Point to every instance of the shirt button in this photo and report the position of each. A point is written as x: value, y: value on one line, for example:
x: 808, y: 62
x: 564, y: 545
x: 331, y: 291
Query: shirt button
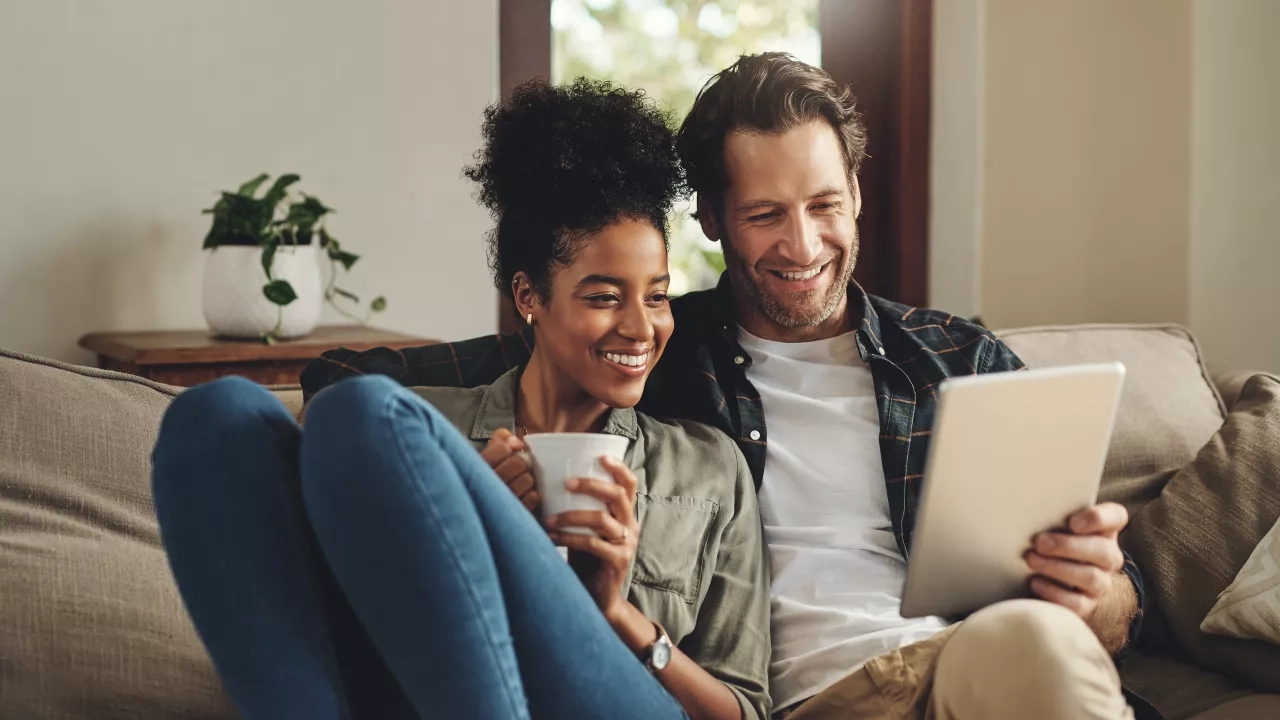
x: 739, y: 360
x: 880, y: 350
x: 755, y: 434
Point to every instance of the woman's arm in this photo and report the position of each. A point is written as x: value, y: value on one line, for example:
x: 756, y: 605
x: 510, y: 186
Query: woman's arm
x: 703, y: 696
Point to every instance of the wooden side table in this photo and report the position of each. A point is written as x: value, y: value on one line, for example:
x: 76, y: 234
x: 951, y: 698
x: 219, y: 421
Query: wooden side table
x: 190, y: 357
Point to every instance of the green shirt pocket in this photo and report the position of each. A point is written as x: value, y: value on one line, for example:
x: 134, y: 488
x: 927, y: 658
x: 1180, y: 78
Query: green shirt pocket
x: 676, y: 535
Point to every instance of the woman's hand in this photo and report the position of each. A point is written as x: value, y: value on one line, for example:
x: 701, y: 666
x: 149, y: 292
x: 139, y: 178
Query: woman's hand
x: 613, y: 539
x: 506, y: 454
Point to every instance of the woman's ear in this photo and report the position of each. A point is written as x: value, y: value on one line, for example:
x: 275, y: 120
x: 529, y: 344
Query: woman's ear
x: 525, y: 296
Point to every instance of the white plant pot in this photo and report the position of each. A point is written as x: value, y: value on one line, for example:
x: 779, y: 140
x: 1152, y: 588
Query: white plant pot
x: 233, y: 301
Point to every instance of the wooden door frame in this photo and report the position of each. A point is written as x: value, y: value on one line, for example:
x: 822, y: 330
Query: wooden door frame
x: 882, y: 49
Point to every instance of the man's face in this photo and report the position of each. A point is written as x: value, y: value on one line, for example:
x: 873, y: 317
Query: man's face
x: 787, y: 226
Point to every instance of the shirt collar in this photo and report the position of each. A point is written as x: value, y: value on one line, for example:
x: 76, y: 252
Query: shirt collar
x: 869, y: 341
x: 498, y: 410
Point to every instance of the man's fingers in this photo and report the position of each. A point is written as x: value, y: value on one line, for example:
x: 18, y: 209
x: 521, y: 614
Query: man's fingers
x: 1103, y: 519
x: 1096, y: 550
x: 1087, y: 579
x: 1058, y: 595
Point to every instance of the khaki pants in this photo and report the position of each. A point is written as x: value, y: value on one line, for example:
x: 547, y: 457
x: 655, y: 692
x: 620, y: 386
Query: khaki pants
x: 1016, y: 660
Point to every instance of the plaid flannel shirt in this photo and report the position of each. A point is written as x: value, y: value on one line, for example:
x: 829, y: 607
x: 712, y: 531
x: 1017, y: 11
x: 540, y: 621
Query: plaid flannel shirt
x: 702, y: 376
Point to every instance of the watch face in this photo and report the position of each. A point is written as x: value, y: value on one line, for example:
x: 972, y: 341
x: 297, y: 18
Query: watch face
x: 661, y: 653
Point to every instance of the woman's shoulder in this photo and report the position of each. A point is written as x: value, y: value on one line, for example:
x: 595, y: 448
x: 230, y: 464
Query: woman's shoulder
x: 460, y: 405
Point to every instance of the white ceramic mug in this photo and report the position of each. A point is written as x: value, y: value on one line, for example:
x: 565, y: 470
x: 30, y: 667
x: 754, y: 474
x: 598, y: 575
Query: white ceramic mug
x: 559, y: 456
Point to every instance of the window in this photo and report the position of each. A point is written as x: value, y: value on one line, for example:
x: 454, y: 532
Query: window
x: 670, y: 48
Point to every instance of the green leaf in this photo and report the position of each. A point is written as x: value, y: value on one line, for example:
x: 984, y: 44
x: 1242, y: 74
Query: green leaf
x: 268, y: 255
x: 347, y: 259
x: 251, y: 187
x: 267, y: 338
x: 279, y: 292
x: 379, y: 304
x: 347, y: 294
x: 326, y: 238
x: 278, y: 190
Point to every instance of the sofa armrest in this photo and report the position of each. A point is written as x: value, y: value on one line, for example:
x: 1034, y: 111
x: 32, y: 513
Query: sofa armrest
x: 1231, y: 382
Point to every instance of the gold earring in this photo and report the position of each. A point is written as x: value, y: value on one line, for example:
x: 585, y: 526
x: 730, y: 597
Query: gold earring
x: 529, y: 319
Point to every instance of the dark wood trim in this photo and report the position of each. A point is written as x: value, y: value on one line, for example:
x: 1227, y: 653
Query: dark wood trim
x: 524, y: 53
x: 912, y: 183
x: 882, y: 49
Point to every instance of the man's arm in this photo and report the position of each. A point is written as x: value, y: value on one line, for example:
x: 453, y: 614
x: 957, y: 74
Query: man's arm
x: 1082, y: 569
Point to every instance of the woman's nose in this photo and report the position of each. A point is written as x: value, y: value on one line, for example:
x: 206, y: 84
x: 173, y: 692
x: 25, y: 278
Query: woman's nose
x: 636, y: 323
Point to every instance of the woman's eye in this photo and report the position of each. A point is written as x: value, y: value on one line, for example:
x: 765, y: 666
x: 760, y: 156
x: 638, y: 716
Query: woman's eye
x: 604, y: 299
x: 658, y: 299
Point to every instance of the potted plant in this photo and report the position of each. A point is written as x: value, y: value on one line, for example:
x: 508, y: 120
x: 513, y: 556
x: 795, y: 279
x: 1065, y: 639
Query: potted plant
x: 262, y: 273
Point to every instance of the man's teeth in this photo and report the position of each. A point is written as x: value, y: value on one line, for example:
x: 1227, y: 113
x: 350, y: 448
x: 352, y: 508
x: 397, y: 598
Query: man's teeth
x: 628, y: 360
x: 802, y: 275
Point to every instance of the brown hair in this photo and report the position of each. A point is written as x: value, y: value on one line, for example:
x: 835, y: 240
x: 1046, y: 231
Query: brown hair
x: 768, y: 93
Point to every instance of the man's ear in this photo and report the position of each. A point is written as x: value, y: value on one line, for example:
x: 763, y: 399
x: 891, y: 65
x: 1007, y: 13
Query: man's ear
x: 707, y: 219
x: 857, y: 197
x: 525, y: 295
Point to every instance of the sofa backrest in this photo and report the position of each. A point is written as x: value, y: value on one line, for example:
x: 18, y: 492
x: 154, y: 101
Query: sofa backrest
x: 1169, y: 408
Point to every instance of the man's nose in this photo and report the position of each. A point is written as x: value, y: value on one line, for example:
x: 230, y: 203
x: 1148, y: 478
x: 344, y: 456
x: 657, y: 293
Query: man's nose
x: 803, y: 244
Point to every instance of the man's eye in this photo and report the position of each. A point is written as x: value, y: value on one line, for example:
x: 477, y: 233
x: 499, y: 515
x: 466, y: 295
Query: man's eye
x: 824, y: 206
x: 762, y: 216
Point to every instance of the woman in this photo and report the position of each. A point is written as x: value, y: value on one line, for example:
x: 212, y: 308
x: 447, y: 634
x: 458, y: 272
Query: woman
x: 375, y: 564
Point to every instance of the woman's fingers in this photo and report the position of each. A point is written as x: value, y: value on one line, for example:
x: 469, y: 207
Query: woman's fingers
x: 618, y: 556
x: 597, y: 521
x: 615, y: 497
x: 621, y: 475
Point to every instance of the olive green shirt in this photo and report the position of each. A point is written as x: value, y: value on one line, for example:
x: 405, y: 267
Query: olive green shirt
x: 700, y: 569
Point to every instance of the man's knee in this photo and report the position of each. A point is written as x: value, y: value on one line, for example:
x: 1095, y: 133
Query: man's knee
x: 1027, y: 656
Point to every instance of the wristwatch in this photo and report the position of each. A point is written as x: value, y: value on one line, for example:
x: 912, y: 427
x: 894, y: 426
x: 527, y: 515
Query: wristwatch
x: 658, y: 654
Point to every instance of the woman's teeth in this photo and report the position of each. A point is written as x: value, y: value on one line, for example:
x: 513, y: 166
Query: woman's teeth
x: 628, y: 360
x: 802, y: 275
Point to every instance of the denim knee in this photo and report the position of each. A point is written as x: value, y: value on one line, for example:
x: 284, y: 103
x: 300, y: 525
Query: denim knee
x: 356, y: 401
x: 217, y: 409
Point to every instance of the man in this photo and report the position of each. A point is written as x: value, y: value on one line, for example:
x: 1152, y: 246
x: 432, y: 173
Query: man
x: 848, y: 384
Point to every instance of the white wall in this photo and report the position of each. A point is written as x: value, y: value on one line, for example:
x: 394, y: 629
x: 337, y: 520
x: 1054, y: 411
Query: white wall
x: 1235, y: 182
x: 121, y: 120
x: 956, y: 174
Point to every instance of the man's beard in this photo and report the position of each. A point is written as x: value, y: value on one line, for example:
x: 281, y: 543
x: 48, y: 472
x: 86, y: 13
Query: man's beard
x: 801, y: 310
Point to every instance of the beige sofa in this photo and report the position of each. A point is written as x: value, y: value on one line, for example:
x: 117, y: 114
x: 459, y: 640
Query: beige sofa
x: 91, y: 625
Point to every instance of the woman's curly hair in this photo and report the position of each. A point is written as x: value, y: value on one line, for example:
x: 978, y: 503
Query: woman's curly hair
x: 561, y: 162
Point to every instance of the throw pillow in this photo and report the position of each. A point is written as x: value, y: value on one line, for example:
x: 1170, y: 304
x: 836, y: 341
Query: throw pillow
x: 1198, y: 533
x: 1250, y: 607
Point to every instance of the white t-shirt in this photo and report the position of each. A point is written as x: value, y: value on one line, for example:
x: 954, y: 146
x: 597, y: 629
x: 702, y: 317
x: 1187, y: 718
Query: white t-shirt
x: 837, y: 572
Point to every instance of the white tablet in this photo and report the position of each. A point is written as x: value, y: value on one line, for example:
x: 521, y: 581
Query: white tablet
x: 1012, y: 455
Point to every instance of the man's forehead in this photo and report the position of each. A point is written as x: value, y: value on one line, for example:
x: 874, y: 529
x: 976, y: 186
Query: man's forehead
x: 805, y: 157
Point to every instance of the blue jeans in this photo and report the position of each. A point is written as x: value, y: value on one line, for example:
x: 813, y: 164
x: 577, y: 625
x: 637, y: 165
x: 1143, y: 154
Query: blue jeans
x: 373, y: 566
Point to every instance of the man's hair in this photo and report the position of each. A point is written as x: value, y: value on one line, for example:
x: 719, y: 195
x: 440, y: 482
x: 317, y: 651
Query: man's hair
x: 560, y: 162
x: 768, y: 93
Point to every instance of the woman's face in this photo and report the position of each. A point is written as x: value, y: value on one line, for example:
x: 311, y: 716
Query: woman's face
x: 607, y: 319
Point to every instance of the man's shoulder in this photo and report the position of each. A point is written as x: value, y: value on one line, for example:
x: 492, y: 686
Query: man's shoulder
x: 465, y: 363
x: 953, y: 344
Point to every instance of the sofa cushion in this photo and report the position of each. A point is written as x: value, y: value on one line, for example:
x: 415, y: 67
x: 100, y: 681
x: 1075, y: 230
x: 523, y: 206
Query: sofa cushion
x: 1250, y: 606
x: 1192, y: 540
x: 91, y: 624
x: 1169, y: 407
